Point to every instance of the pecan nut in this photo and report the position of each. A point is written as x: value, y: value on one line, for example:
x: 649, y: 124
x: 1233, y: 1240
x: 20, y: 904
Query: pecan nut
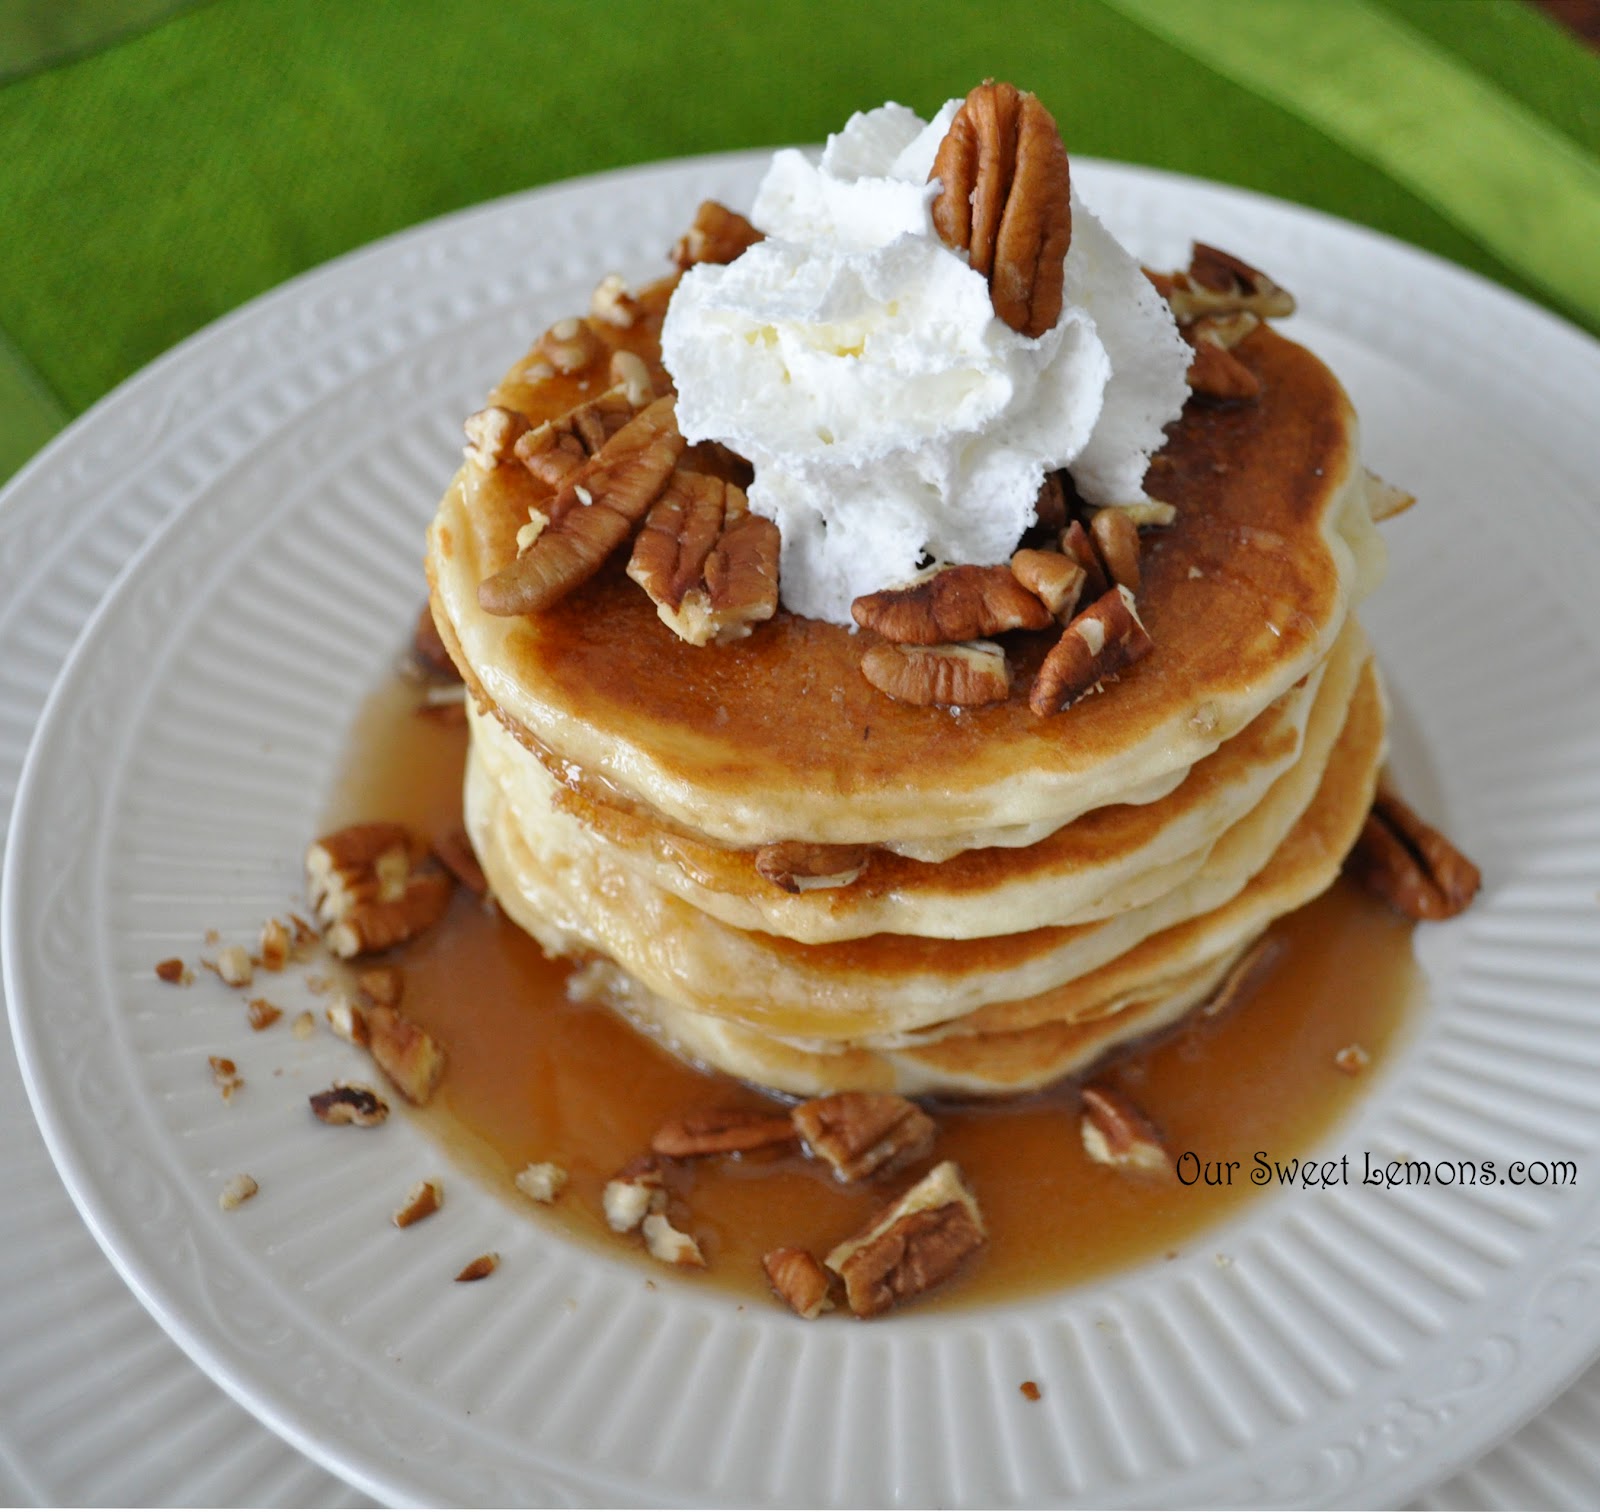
x: 799, y: 1280
x: 349, y: 1103
x: 952, y: 604
x: 911, y: 1246
x: 1116, y: 538
x: 372, y: 886
x: 1099, y: 643
x: 1006, y: 200
x: 722, y: 1131
x: 1384, y: 500
x: 799, y: 866
x: 1218, y: 283
x: 1116, y: 1133
x: 592, y: 513
x: 555, y: 450
x: 962, y: 676
x: 862, y: 1134
x: 1053, y: 577
x: 716, y: 235
x: 492, y: 434
x: 1409, y: 864
x: 406, y: 1053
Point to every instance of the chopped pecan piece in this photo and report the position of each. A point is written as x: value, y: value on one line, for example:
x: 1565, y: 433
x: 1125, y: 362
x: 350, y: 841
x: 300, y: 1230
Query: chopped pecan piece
x: 709, y: 565
x: 1053, y: 577
x: 422, y: 1201
x: 862, y: 1134
x: 1116, y: 1133
x: 636, y: 1191
x: 382, y: 984
x: 239, y: 1189
x: 612, y: 303
x: 952, y: 604
x: 491, y: 435
x: 455, y: 852
x: 669, y: 1245
x: 542, y: 1182
x: 174, y: 971
x: 273, y: 952
x: 1050, y: 508
x: 717, y: 235
x: 912, y: 1245
x: 1030, y: 1389
x: 476, y: 1270
x: 798, y: 866
x: 958, y: 676
x: 1217, y: 283
x: 234, y: 965
x: 1352, y: 1059
x: 1116, y: 538
x: 373, y: 886
x: 1077, y: 543
x: 303, y: 1026
x: 261, y: 1014
x: 797, y: 1277
x: 346, y: 1020
x: 407, y: 1054
x: 1215, y: 372
x: 349, y: 1103
x: 594, y: 511
x: 557, y: 449
x: 1006, y: 200
x: 226, y: 1076
x: 429, y: 650
x: 1384, y: 500
x: 722, y: 1131
x: 631, y: 374
x: 1099, y: 643
x: 1409, y: 864
x: 569, y: 346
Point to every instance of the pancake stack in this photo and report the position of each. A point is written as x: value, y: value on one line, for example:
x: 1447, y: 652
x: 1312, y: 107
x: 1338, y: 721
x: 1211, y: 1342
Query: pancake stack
x: 788, y: 876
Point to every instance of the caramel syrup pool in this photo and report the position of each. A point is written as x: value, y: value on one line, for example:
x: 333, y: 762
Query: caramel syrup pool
x: 535, y: 1077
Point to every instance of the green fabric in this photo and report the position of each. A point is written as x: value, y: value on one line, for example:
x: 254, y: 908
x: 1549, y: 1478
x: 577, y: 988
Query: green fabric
x: 1526, y: 192
x: 154, y: 185
x: 37, y: 34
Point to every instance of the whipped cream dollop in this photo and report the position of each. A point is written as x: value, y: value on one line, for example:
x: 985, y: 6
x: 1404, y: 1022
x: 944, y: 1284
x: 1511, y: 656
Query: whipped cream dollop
x: 892, y: 418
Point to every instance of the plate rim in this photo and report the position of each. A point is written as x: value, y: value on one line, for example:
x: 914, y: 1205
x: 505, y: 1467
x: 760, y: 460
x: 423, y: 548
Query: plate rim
x: 56, y: 1138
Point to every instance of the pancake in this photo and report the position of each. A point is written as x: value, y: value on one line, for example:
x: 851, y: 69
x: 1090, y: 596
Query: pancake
x: 553, y: 879
x: 1112, y: 859
x: 779, y: 736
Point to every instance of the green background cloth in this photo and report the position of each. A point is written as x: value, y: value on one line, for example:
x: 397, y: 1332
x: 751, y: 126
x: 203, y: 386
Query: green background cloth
x: 150, y: 186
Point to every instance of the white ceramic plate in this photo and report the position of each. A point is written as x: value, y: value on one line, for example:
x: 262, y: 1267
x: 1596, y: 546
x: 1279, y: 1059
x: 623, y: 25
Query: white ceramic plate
x: 1358, y: 1346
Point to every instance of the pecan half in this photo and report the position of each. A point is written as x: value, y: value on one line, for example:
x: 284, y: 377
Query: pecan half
x: 952, y: 604
x: 799, y: 1280
x: 799, y: 866
x: 406, y: 1053
x: 1116, y: 1133
x: 348, y: 1103
x: 709, y: 565
x: 912, y: 1245
x: 722, y: 1131
x: 1409, y: 864
x: 862, y: 1134
x: 1077, y: 543
x: 593, y: 512
x: 1099, y: 643
x: 1053, y: 577
x: 958, y: 676
x: 716, y: 235
x: 1006, y: 200
x: 372, y: 886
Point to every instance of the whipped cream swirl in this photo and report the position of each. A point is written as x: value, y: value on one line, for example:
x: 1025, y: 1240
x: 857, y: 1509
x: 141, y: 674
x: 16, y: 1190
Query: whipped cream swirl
x: 891, y: 416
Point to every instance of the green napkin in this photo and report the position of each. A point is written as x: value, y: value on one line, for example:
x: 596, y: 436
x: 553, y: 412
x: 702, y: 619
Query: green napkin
x: 149, y: 187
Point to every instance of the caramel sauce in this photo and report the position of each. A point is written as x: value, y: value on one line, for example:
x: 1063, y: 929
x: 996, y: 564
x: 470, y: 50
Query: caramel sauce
x: 533, y: 1076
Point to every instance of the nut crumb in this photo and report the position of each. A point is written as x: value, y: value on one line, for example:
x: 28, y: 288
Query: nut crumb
x: 422, y: 1200
x: 262, y: 1014
x: 799, y: 1280
x: 669, y: 1245
x: 349, y: 1103
x: 273, y: 953
x: 1352, y: 1060
x: 303, y: 1026
x: 543, y: 1181
x: 635, y: 1192
x: 384, y: 985
x: 174, y: 971
x: 346, y: 1021
x: 1030, y: 1389
x: 476, y: 1270
x: 226, y: 1075
x: 240, y: 1188
x: 233, y: 965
